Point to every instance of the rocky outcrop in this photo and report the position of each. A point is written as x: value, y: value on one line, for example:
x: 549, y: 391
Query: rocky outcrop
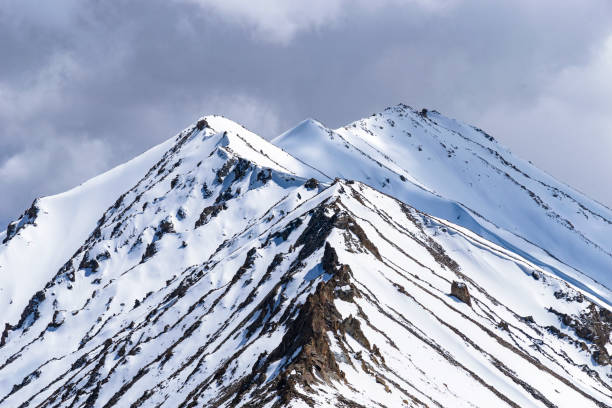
x: 352, y: 327
x: 594, y: 324
x: 311, y: 183
x: 306, y: 335
x: 224, y: 170
x: 28, y: 218
x: 201, y: 124
x: 89, y: 265
x: 460, y: 291
x: 208, y: 213
x: 150, y: 250
x: 165, y: 227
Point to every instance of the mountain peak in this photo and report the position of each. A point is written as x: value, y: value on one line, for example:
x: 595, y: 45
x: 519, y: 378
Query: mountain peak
x: 402, y: 260
x: 306, y: 132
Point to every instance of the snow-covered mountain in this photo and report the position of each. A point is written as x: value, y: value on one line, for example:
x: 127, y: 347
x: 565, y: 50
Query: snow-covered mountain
x: 403, y: 260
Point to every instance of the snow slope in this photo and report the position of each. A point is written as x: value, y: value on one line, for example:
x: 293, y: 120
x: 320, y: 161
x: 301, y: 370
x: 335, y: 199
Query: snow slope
x: 231, y: 273
x: 63, y: 222
x: 459, y: 173
x: 71, y: 216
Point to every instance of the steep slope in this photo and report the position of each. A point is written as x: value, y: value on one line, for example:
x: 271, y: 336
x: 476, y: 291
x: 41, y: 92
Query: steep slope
x: 459, y: 173
x: 71, y: 216
x: 340, y: 299
x: 232, y: 274
x: 37, y: 244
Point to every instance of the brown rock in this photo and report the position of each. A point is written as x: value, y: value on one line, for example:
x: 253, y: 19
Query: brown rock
x: 460, y: 291
x: 202, y: 123
x: 601, y: 357
x: 381, y: 381
x: 352, y: 327
x: 311, y: 183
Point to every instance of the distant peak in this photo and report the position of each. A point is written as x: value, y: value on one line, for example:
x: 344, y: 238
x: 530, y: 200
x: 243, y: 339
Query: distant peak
x: 217, y: 123
x: 309, y: 123
x: 400, y: 105
x: 312, y: 121
x: 306, y: 128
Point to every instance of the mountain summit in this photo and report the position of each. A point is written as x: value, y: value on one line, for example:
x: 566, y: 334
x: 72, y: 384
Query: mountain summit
x: 405, y: 259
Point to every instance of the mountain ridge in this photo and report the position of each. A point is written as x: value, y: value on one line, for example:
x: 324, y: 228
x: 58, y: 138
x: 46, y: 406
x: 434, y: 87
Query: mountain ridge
x: 235, y: 274
x: 384, y: 170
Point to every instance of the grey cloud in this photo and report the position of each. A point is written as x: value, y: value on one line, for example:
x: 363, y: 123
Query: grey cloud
x: 99, y: 82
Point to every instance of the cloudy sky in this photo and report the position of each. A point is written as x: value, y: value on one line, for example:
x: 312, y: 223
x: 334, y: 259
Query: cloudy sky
x: 88, y: 84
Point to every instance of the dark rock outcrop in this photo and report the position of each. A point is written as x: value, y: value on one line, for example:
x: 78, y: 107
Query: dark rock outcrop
x: 165, y: 227
x: 307, y: 334
x: 28, y: 218
x: 208, y: 213
x: 311, y: 183
x: 594, y: 324
x: 264, y: 175
x: 201, y: 124
x: 89, y: 265
x: 149, y: 252
x: 460, y: 291
x: 224, y: 170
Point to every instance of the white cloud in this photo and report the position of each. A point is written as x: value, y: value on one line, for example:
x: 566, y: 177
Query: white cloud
x: 49, y: 167
x: 69, y: 160
x: 247, y: 110
x: 41, y: 91
x: 276, y: 20
x: 57, y: 14
x: 127, y: 75
x: 567, y: 129
x: 280, y: 20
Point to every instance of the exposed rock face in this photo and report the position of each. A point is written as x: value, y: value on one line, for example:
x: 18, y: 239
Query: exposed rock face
x: 224, y: 170
x: 57, y: 321
x: 240, y: 169
x: 593, y: 324
x: 264, y: 175
x: 91, y: 265
x: 28, y: 218
x: 208, y: 213
x: 201, y: 124
x: 352, y: 327
x: 306, y: 345
x: 311, y: 183
x: 460, y: 291
x: 5, y: 333
x: 149, y: 251
x: 165, y: 227
x: 285, y: 232
x: 308, y: 332
x: 31, y: 313
x: 601, y: 356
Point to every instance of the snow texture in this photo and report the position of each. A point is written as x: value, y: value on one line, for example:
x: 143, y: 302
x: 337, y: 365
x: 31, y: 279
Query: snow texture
x: 219, y: 269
